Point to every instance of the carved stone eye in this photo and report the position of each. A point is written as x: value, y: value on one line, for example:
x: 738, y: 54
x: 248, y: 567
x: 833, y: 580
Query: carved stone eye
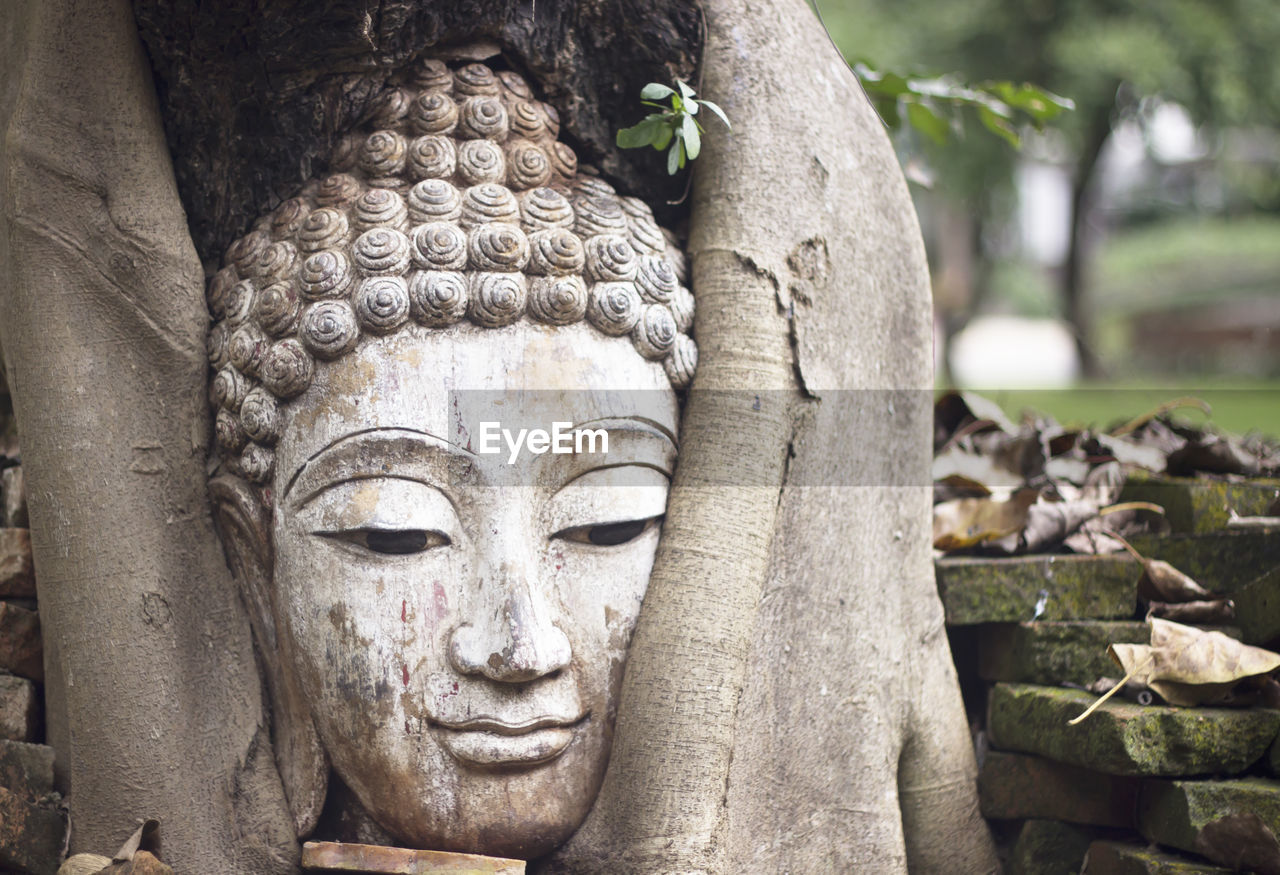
x: 397, y: 542
x: 610, y: 535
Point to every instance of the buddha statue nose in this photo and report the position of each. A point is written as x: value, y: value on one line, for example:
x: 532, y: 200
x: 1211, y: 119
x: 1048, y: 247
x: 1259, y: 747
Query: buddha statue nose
x: 514, y: 638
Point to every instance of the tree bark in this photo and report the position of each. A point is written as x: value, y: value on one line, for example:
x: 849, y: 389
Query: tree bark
x: 154, y: 703
x: 1097, y: 130
x: 789, y: 702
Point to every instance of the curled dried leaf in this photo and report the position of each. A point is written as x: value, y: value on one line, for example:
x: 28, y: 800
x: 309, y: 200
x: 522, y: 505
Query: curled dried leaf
x: 1187, y: 666
x: 1207, y: 612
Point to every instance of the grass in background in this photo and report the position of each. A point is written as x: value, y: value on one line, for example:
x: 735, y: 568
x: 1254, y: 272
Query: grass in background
x: 1239, y: 407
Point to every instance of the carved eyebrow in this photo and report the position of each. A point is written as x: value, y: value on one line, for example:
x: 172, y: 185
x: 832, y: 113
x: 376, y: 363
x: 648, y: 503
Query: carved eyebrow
x: 641, y: 424
x: 335, y: 455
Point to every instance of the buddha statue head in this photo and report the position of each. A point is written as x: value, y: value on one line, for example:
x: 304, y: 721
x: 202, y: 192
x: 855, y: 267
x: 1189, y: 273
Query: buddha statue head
x: 445, y: 384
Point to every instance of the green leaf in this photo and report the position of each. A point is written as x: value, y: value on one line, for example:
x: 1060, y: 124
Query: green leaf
x: 656, y: 91
x: 692, y: 139
x: 685, y: 89
x: 1036, y: 102
x: 643, y: 134
x: 999, y: 126
x: 675, y: 157
x: 926, y: 120
x: 718, y: 111
x: 664, y: 136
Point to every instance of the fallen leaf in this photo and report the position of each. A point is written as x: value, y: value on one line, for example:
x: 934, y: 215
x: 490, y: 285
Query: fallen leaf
x: 1161, y: 410
x: 1215, y: 454
x: 1162, y: 582
x: 1207, y: 612
x: 967, y: 522
x: 1241, y: 841
x: 1185, y: 665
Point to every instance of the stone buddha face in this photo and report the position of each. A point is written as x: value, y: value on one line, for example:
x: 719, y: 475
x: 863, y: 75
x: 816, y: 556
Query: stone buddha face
x: 446, y: 412
x: 458, y: 620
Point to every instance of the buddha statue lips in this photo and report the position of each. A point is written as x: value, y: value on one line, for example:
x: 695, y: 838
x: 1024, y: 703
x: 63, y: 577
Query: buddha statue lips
x: 443, y: 625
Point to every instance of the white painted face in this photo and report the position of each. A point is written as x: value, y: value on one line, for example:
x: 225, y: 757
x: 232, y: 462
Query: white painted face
x: 457, y: 623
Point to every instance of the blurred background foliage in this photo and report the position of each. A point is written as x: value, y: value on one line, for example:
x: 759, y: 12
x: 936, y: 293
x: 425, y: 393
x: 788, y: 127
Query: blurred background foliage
x: 1134, y: 241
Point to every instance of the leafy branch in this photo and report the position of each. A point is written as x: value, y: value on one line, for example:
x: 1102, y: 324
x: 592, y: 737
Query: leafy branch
x: 933, y: 106
x: 674, y: 127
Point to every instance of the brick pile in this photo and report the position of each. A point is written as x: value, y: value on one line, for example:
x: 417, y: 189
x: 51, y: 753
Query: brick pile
x: 1139, y: 787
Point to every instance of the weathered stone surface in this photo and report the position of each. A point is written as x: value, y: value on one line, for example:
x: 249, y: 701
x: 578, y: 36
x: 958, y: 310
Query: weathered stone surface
x: 339, y: 857
x: 1200, y: 506
x: 17, y: 575
x: 1174, y: 812
x: 1047, y: 847
x: 1055, y: 652
x: 1009, y: 590
x: 20, y: 648
x: 1014, y: 786
x: 30, y: 836
x: 13, y: 498
x: 1221, y: 562
x: 1122, y: 858
x: 26, y: 769
x: 1122, y: 738
x: 1258, y: 608
x: 19, y: 708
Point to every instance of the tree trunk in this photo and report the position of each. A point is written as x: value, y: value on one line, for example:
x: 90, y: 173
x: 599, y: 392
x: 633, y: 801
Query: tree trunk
x: 1076, y: 309
x: 789, y: 702
x: 154, y: 705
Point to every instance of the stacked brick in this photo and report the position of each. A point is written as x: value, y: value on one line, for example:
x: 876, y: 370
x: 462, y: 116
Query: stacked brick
x: 31, y: 824
x: 1139, y: 787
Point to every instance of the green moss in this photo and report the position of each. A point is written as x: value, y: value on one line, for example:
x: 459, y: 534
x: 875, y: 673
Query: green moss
x: 1173, y: 812
x: 1201, y: 506
x: 1121, y: 858
x: 1055, y: 652
x: 1258, y: 608
x: 976, y: 590
x: 1122, y: 738
x: 1222, y: 562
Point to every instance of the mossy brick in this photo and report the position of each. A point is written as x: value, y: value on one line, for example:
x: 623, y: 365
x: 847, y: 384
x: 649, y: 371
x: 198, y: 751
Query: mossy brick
x: 1013, y: 786
x: 1258, y: 608
x: 1201, y: 505
x: 1048, y: 847
x: 1222, y: 562
x: 19, y: 708
x: 26, y: 769
x: 1123, y: 858
x: 17, y: 574
x: 1173, y: 812
x: 1009, y: 590
x: 30, y: 836
x: 1066, y: 652
x: 1069, y: 651
x: 1122, y: 738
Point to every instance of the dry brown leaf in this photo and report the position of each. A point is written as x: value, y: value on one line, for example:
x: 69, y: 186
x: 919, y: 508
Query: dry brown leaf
x: 1187, y: 666
x: 1213, y: 611
x: 1161, y: 410
x: 1162, y: 582
x: 967, y: 522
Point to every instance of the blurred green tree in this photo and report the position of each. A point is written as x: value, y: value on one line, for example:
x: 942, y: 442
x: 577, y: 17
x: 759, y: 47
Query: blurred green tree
x: 1216, y: 58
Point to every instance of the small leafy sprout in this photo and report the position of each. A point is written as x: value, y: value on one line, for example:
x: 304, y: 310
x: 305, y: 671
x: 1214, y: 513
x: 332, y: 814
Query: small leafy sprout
x: 674, y: 126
